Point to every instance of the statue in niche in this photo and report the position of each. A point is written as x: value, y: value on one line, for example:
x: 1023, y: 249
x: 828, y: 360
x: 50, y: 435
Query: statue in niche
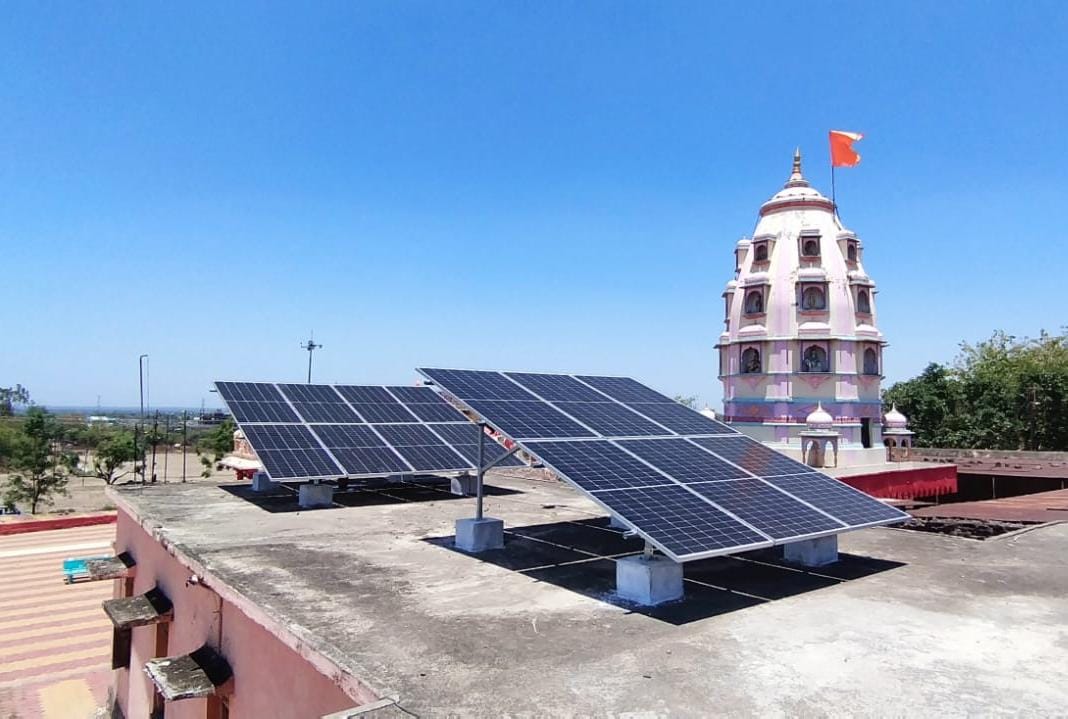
x: 815, y: 360
x: 871, y: 362
x: 760, y: 254
x: 813, y: 299
x: 751, y: 361
x: 754, y: 303
x: 863, y: 302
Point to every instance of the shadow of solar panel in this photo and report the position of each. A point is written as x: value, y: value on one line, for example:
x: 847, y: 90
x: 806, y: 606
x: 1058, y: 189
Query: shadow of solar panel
x: 477, y: 384
x: 682, y: 460
x: 776, y: 514
x: 612, y: 419
x: 553, y: 387
x: 528, y: 419
x: 679, y: 521
x: 849, y: 505
x: 754, y: 456
x: 596, y: 464
x: 680, y: 419
x: 255, y: 402
x: 318, y: 403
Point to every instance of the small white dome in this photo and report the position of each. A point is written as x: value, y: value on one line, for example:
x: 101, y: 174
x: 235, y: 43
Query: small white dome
x: 709, y: 412
x: 895, y: 420
x: 819, y: 418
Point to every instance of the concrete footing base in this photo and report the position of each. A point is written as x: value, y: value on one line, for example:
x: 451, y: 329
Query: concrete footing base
x: 465, y: 485
x: 262, y: 483
x: 648, y: 580
x: 479, y: 535
x: 316, y: 495
x: 616, y: 523
x: 812, y: 552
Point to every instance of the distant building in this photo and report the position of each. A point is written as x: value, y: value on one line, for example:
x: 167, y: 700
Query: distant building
x: 801, y: 354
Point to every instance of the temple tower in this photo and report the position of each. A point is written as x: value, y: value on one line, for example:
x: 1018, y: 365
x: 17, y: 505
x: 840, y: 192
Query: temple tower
x: 801, y: 328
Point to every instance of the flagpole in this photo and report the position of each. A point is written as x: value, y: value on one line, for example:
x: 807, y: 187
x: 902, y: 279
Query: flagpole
x: 834, y: 194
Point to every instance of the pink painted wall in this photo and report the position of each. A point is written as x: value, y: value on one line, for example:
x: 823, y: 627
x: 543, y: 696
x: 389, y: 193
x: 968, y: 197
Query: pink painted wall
x: 270, y: 679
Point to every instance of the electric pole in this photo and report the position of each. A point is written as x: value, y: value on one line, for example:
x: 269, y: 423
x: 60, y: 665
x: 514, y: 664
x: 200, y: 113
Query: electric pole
x: 311, y: 347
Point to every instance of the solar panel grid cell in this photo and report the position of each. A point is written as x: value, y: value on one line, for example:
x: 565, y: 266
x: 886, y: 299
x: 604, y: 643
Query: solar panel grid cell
x: 849, y: 505
x: 370, y: 461
x: 754, y: 456
x: 624, y: 389
x: 256, y: 402
x: 318, y: 403
x: 597, y: 465
x: 612, y: 420
x: 477, y: 384
x: 553, y: 387
x: 682, y: 461
x: 528, y: 419
x: 382, y: 412
x: 769, y: 510
x: 679, y: 418
x: 679, y: 521
x: 351, y: 435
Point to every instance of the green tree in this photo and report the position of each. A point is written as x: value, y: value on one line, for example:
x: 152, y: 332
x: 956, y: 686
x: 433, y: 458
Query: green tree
x: 690, y: 401
x: 111, y: 455
x: 12, y: 396
x: 39, y: 464
x: 216, y: 444
x: 1002, y: 393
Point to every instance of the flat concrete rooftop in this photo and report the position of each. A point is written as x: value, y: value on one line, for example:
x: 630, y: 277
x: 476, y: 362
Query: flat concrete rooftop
x: 907, y: 621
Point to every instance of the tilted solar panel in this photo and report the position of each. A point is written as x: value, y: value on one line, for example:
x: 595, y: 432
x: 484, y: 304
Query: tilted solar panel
x: 317, y: 431
x: 692, y: 486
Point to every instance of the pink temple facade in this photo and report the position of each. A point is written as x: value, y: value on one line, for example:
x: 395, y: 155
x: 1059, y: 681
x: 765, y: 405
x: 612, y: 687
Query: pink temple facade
x: 801, y: 328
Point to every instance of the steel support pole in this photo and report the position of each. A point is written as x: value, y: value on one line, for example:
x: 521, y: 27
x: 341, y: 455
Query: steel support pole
x: 481, y: 469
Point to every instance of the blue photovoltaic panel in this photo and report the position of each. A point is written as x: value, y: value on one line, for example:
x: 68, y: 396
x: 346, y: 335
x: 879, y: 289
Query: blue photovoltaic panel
x: 290, y: 451
x: 360, y: 450
x: 772, y: 512
x: 679, y: 418
x: 596, y: 464
x: 837, y: 499
x: 423, y: 449
x: 476, y: 384
x: 527, y: 419
x: 682, y: 461
x: 255, y: 402
x: 318, y: 403
x: 364, y: 394
x: 554, y: 387
x: 611, y: 419
x: 427, y: 404
x: 754, y: 456
x: 624, y: 389
x: 380, y: 413
x: 464, y: 439
x: 679, y: 521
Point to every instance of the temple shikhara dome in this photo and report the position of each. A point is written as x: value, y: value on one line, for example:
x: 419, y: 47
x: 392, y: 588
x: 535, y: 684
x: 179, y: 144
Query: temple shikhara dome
x: 801, y: 329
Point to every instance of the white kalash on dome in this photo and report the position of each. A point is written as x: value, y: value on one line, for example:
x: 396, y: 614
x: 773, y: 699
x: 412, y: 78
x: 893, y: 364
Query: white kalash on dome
x: 801, y: 328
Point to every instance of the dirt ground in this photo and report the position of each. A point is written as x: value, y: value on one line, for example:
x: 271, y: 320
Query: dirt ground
x: 86, y: 494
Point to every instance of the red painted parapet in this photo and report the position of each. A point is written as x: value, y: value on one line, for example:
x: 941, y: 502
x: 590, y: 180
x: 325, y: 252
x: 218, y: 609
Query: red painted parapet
x: 20, y: 526
x: 912, y: 483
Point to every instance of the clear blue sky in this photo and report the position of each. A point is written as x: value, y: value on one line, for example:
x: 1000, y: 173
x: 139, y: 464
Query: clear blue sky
x: 537, y: 185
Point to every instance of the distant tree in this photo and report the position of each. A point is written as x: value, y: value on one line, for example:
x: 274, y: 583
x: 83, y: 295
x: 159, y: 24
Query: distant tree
x: 215, y: 445
x: 38, y: 461
x: 1002, y: 393
x: 111, y: 455
x: 10, y: 397
x: 690, y: 402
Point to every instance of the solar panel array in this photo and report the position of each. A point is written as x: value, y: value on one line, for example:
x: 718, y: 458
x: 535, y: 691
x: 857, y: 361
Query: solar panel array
x: 690, y: 485
x: 320, y: 431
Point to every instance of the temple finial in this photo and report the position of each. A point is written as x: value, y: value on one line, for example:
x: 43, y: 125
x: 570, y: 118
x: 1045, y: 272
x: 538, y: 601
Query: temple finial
x: 797, y: 161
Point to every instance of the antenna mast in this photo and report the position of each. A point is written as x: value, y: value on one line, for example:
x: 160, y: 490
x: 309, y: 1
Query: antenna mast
x: 311, y: 346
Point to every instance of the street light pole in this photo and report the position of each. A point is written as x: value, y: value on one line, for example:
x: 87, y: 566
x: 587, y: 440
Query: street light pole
x: 311, y: 347
x: 141, y: 377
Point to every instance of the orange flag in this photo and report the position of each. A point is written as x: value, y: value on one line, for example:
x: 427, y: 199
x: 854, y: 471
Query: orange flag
x: 842, y: 152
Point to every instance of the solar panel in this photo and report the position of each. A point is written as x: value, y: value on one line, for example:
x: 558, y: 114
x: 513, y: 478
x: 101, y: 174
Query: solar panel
x: 464, y: 439
x: 290, y: 451
x: 754, y: 456
x: 692, y: 486
x: 318, y: 403
x: 315, y: 431
x: 256, y: 402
